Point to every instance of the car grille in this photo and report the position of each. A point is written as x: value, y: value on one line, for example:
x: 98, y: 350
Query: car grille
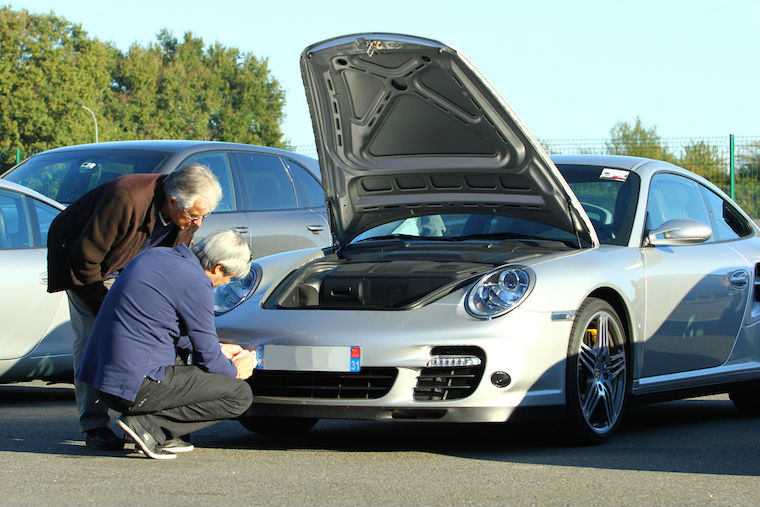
x: 367, y: 384
x: 439, y: 384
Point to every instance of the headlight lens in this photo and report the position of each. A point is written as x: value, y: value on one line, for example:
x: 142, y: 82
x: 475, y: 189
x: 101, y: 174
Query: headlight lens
x: 498, y: 292
x: 227, y: 297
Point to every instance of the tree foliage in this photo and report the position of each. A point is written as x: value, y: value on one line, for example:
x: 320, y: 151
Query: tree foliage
x: 637, y: 140
x: 171, y: 89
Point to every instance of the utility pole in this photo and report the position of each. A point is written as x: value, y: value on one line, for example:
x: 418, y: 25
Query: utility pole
x: 93, y: 118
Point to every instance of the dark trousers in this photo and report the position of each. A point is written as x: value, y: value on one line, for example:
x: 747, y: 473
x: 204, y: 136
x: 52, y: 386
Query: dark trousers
x: 186, y: 400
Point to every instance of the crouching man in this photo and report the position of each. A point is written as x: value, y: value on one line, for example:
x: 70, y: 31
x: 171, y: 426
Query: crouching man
x: 163, y: 299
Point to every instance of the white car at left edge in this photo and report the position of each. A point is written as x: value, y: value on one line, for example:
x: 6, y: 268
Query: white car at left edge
x: 35, y: 336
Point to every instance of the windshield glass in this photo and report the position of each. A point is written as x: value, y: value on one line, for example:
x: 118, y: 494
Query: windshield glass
x: 458, y: 227
x: 608, y: 196
x: 65, y: 176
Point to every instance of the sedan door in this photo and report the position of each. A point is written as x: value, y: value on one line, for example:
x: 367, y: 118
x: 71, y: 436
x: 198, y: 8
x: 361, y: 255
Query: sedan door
x: 277, y: 222
x: 229, y: 213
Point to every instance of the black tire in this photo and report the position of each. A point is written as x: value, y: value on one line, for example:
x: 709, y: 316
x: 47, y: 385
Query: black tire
x: 278, y: 425
x: 597, y: 373
x: 747, y: 401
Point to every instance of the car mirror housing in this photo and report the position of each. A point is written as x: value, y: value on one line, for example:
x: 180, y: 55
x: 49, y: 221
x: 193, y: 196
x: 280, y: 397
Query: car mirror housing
x: 679, y: 232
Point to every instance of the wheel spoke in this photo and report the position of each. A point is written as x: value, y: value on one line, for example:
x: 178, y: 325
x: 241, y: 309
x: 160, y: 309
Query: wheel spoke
x: 587, y: 358
x: 607, y: 400
x: 591, y: 401
x: 616, y: 365
x: 603, y: 342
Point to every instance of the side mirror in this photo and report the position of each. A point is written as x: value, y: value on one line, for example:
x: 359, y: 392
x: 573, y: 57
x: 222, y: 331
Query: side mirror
x: 679, y: 232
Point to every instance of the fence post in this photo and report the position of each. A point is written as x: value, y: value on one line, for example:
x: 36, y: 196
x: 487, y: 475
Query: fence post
x: 731, y: 164
x: 18, y: 155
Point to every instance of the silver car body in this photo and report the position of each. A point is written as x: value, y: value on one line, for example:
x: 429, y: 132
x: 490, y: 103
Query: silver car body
x: 686, y: 298
x: 262, y: 193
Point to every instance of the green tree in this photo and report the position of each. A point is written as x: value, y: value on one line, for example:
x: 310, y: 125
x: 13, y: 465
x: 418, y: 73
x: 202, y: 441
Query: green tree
x: 705, y: 160
x: 637, y: 140
x: 171, y: 89
x: 178, y: 89
x: 47, y: 65
x: 748, y: 161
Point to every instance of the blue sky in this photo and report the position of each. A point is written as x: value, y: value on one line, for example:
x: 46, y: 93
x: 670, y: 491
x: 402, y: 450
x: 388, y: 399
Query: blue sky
x: 570, y: 69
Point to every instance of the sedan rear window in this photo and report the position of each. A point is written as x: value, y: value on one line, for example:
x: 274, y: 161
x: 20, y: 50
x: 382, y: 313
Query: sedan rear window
x: 65, y: 176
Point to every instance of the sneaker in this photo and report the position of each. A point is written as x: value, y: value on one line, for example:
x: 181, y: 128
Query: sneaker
x: 143, y: 438
x: 104, y: 439
x: 177, y: 444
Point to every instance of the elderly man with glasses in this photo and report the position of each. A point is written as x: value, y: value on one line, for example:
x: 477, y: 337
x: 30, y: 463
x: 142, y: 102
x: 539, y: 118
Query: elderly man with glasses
x: 163, y: 299
x: 92, y: 240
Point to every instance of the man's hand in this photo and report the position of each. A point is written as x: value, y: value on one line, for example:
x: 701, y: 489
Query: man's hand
x: 230, y: 349
x: 244, y: 362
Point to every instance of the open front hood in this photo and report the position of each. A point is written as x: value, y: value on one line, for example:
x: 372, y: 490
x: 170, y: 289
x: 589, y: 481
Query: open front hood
x: 406, y: 126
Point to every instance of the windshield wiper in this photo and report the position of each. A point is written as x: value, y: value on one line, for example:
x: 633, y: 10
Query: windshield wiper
x: 497, y: 236
x: 402, y: 237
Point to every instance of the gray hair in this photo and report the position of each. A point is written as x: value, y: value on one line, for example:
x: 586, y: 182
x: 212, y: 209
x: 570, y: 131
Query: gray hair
x: 225, y: 247
x: 191, y: 183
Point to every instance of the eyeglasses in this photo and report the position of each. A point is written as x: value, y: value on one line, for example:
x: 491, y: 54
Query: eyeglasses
x: 193, y: 219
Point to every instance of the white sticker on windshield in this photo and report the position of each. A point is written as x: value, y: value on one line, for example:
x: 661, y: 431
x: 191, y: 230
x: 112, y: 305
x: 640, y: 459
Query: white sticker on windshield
x: 614, y: 174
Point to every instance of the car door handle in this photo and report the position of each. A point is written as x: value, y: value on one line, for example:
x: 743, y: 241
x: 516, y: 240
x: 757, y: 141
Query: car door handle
x: 316, y: 228
x: 241, y: 229
x: 44, y: 278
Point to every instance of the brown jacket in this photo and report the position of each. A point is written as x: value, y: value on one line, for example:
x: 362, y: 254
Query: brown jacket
x: 102, y: 231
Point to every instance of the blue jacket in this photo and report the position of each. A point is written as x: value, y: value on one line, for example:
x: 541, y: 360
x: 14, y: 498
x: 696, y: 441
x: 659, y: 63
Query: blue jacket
x: 161, y: 295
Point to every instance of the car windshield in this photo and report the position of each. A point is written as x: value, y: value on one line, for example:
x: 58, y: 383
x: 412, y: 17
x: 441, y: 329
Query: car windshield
x: 609, y: 197
x: 459, y: 227
x: 67, y: 175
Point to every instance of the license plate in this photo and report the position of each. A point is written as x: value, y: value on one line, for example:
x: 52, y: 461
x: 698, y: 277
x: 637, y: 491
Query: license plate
x: 308, y: 358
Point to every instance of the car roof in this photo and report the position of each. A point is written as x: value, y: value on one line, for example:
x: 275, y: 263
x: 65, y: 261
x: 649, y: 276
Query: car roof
x: 183, y: 147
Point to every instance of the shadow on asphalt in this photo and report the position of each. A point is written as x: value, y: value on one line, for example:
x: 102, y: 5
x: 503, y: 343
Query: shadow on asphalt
x: 701, y: 435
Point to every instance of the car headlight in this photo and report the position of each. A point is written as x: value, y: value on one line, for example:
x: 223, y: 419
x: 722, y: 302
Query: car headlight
x: 498, y: 292
x: 227, y: 297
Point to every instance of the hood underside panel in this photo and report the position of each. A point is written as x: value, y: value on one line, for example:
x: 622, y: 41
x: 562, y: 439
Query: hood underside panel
x: 407, y: 126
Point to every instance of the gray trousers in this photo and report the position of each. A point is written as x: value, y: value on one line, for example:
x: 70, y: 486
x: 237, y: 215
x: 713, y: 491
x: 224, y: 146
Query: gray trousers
x: 92, y: 412
x: 187, y: 399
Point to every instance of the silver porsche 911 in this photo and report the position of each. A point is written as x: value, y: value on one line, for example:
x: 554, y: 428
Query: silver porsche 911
x: 473, y: 278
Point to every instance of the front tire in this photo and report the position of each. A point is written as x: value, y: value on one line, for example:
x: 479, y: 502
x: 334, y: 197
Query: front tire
x: 278, y: 425
x: 596, y: 374
x: 747, y: 401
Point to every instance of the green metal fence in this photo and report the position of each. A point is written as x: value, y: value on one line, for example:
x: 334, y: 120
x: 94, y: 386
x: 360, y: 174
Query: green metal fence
x: 731, y: 162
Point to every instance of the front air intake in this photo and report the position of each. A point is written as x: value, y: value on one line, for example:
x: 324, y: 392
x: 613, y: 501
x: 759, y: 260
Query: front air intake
x: 367, y: 384
x: 450, y: 383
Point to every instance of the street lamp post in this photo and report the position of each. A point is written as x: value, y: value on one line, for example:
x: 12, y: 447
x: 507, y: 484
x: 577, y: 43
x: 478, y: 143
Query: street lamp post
x: 93, y: 118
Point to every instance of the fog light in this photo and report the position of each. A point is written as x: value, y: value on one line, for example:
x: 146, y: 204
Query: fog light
x: 452, y: 361
x: 500, y: 379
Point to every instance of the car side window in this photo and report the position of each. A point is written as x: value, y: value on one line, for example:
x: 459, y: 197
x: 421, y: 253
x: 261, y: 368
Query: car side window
x: 14, y: 221
x: 308, y: 189
x: 220, y: 166
x: 675, y: 197
x: 264, y: 183
x: 44, y: 215
x: 728, y: 223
